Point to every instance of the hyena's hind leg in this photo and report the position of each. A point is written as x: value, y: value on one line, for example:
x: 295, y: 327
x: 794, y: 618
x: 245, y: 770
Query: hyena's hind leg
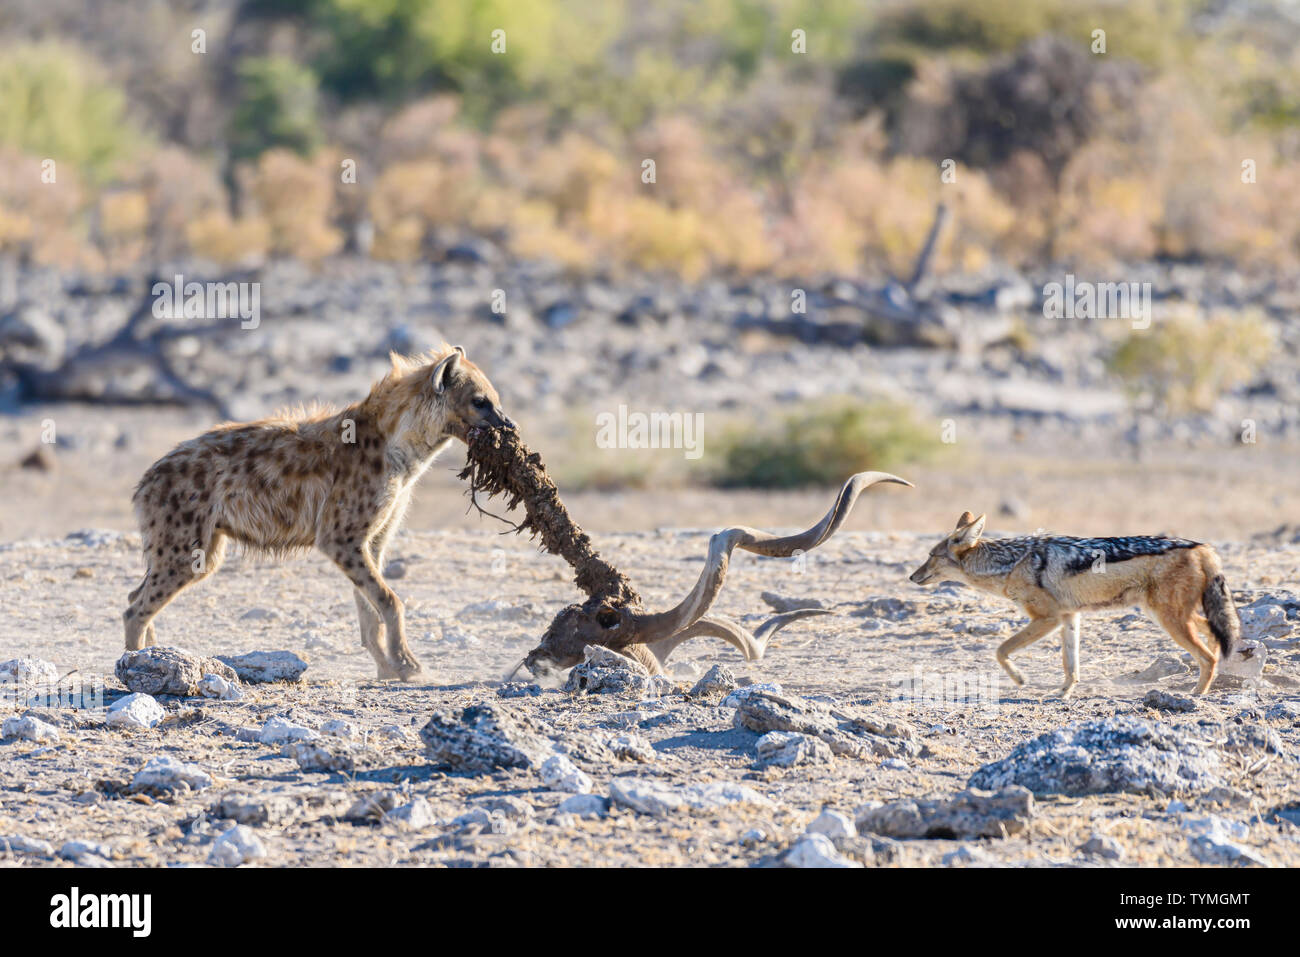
x: 172, y: 566
x: 1036, y: 629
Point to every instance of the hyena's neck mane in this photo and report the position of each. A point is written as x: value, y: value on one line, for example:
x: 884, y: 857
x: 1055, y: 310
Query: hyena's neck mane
x: 405, y: 415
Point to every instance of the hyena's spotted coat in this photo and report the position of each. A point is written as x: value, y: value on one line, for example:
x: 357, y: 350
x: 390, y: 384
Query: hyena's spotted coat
x: 339, y: 481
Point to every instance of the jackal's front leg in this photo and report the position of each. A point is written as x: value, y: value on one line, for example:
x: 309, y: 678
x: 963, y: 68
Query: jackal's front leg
x: 1070, y: 654
x: 1036, y: 629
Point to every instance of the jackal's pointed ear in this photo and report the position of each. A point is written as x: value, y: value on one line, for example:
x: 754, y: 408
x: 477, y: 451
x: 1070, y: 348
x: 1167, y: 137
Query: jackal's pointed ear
x: 445, y: 370
x: 971, y: 533
x: 966, y: 519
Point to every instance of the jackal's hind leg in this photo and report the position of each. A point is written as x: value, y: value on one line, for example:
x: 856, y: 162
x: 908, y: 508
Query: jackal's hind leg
x: 1036, y: 629
x: 1183, y: 631
x: 1070, y: 653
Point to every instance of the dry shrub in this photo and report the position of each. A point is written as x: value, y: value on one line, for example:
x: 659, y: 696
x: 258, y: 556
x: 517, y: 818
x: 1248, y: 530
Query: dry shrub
x: 1185, y: 364
x: 535, y: 234
x: 697, y: 217
x: 179, y: 186
x: 818, y: 443
x: 1177, y: 191
x: 863, y: 210
x: 412, y: 198
x: 215, y: 236
x: 1106, y: 215
x: 44, y: 222
x: 123, y: 226
x: 296, y: 197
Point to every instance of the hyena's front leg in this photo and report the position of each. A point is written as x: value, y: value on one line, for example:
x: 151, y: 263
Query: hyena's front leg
x: 373, y: 632
x: 372, y: 635
x: 356, y: 562
x: 407, y: 665
x: 1036, y: 629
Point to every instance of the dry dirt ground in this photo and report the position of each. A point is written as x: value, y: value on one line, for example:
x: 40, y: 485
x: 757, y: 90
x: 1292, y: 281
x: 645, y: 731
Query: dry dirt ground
x: 477, y: 601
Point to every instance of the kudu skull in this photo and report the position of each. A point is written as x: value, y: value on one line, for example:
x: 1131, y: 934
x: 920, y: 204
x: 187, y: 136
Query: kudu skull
x: 651, y: 637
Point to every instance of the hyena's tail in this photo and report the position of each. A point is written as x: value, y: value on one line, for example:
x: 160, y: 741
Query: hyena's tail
x: 1221, y: 611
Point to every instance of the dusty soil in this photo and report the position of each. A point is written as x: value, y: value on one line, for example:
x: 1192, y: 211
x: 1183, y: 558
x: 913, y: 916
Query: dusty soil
x: 62, y: 599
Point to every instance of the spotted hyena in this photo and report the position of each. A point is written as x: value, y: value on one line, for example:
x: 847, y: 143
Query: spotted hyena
x: 338, y: 480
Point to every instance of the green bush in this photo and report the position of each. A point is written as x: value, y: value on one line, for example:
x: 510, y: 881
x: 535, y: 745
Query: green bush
x: 278, y: 107
x: 1185, y: 365
x: 395, y: 49
x: 823, y: 443
x: 54, y: 105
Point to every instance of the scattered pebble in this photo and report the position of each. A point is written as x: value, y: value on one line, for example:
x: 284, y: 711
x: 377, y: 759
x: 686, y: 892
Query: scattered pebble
x: 237, y: 846
x: 165, y: 774
x: 833, y: 824
x: 1104, y: 846
x: 264, y: 667
x: 584, y: 806
x: 29, y: 728
x: 215, y: 686
x: 659, y: 798
x: 282, y: 731
x: 164, y: 670
x: 135, y: 712
x: 816, y: 850
x: 560, y: 774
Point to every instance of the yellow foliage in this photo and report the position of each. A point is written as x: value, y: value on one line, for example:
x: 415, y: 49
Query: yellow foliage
x: 123, y: 216
x: 296, y: 196
x: 215, y: 236
x: 1185, y: 364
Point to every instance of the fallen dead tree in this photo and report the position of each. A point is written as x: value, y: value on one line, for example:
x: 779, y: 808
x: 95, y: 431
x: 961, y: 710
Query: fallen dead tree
x: 614, y: 615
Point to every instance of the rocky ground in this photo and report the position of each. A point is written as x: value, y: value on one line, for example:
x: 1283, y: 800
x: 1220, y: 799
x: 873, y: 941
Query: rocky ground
x: 855, y: 741
x: 976, y: 349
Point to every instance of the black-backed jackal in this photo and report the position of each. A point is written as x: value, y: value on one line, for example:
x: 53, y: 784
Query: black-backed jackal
x: 336, y: 480
x: 1053, y: 579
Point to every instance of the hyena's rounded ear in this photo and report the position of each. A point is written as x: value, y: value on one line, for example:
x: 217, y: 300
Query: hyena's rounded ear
x: 445, y: 370
x: 966, y: 519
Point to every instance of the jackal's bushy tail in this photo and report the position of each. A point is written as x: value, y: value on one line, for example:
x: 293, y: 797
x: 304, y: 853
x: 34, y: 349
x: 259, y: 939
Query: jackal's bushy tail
x: 1222, y: 614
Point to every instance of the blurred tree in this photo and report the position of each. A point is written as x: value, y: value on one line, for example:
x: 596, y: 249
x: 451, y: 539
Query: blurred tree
x: 54, y: 104
x: 278, y: 107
